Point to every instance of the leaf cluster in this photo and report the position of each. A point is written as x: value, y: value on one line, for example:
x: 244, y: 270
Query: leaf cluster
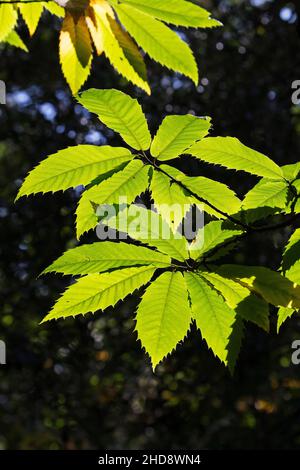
x: 183, y: 281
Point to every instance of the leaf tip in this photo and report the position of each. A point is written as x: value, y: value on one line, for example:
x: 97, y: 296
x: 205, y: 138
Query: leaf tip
x: 45, y: 319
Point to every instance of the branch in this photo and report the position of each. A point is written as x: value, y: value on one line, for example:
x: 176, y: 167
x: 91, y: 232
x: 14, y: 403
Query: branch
x: 248, y: 228
x: 285, y: 223
x: 264, y: 228
x: 199, y: 198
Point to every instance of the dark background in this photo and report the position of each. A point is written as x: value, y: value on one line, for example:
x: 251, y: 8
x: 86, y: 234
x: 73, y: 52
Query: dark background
x: 86, y: 383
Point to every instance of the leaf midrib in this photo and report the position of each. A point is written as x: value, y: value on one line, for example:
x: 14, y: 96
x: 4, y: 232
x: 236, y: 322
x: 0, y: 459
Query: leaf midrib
x: 117, y: 188
x: 165, y: 303
x: 75, y: 169
x: 174, y: 138
x: 276, y: 194
x: 116, y: 111
x: 104, y: 260
x: 106, y: 288
x: 212, y: 310
x: 245, y: 158
x: 204, y: 14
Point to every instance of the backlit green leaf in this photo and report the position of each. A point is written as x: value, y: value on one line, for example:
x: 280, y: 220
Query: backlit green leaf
x: 231, y: 153
x: 213, y: 316
x: 163, y: 316
x: 121, y: 113
x: 162, y: 44
x: 99, y: 291
x: 217, y: 194
x: 245, y: 303
x: 103, y: 256
x: 71, y: 167
x: 178, y: 12
x: 149, y: 227
x: 271, y: 285
x: 176, y: 134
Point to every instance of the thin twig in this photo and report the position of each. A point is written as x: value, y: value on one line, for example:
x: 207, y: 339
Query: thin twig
x: 199, y: 198
x: 264, y: 228
x: 248, y: 229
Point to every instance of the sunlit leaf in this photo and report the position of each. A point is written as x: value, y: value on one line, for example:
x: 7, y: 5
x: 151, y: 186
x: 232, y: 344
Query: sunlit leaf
x: 160, y: 326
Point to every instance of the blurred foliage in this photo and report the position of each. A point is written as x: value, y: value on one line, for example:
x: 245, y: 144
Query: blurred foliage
x: 84, y: 383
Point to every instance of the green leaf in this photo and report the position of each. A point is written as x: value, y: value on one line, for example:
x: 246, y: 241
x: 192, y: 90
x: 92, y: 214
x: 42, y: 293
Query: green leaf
x: 8, y: 20
x: 178, y: 133
x: 121, y: 113
x: 265, y: 193
x: 75, y: 51
x: 231, y: 153
x: 223, y: 251
x: 99, y: 291
x: 217, y: 194
x: 99, y: 257
x: 131, y: 52
x: 86, y: 217
x: 235, y: 343
x: 297, y: 206
x: 13, y: 39
x: 161, y: 325
x: 162, y: 44
x: 169, y: 199
x: 291, y: 172
x: 291, y: 258
x: 31, y: 13
x: 122, y: 187
x: 118, y: 51
x: 213, y: 316
x: 174, y: 173
x: 178, y: 12
x: 247, y: 305
x: 212, y: 235
x: 291, y: 254
x: 149, y: 227
x: 265, y: 198
x: 272, y: 286
x: 128, y: 183
x: 293, y: 274
x: 72, y: 167
x: 296, y: 185
x: 283, y: 314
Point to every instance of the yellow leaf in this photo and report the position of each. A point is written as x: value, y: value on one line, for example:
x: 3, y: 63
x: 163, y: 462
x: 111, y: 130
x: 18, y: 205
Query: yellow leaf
x: 75, y: 50
x: 31, y: 13
x: 8, y: 20
x: 95, y: 30
x: 119, y: 48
